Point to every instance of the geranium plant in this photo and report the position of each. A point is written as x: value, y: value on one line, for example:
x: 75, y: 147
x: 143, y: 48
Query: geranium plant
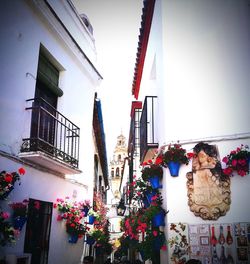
x: 7, y: 232
x: 237, y: 161
x: 176, y: 153
x: 74, y: 225
x: 20, y: 208
x: 7, y: 181
x: 63, y: 206
x: 93, y: 213
x: 152, y: 168
x: 153, y: 242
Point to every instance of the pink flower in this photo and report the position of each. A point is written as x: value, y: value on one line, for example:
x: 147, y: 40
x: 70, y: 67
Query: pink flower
x: 234, y: 162
x: 227, y: 171
x: 155, y: 233
x: 164, y: 248
x: 225, y: 160
x: 59, y: 218
x: 242, y: 162
x: 5, y: 215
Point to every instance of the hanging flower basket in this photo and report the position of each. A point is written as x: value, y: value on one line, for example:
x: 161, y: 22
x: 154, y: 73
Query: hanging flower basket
x: 174, y: 168
x: 7, y: 182
x: 91, y: 219
x: 174, y: 156
x: 155, y: 182
x: 159, y: 219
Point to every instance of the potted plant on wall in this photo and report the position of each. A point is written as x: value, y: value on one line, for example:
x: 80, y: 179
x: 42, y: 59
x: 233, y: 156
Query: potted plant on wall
x: 20, y: 211
x: 8, y: 180
x: 74, y: 226
x: 153, y: 242
x: 93, y: 216
x: 237, y: 161
x: 7, y: 231
x: 153, y: 172
x: 174, y: 157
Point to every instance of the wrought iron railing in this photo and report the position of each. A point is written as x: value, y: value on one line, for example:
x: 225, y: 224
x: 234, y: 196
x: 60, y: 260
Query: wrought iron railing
x: 52, y: 133
x: 134, y: 134
x: 147, y: 126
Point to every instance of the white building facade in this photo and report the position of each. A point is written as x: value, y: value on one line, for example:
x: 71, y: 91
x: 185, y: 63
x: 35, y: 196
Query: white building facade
x: 48, y: 86
x: 192, y: 73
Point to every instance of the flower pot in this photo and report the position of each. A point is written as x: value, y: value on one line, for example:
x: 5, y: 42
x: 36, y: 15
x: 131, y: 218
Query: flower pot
x: 174, y: 168
x: 145, y: 202
x: 73, y: 238
x: 85, y: 209
x: 149, y: 195
x: 155, y: 182
x: 19, y: 222
x: 91, y: 219
x: 142, y: 255
x: 159, y: 219
x: 90, y: 240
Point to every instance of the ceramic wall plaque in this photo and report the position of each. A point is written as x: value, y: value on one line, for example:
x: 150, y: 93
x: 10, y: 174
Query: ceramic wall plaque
x: 208, y: 191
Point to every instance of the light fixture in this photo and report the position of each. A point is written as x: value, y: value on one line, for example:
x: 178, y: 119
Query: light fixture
x: 121, y: 208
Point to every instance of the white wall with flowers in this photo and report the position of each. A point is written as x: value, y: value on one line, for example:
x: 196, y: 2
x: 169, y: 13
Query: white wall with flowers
x: 199, y: 53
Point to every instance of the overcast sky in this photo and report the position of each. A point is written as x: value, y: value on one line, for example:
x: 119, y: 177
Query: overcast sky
x: 116, y: 26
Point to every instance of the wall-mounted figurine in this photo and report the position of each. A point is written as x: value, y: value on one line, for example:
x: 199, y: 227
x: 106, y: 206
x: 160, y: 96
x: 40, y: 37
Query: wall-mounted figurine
x: 208, y: 189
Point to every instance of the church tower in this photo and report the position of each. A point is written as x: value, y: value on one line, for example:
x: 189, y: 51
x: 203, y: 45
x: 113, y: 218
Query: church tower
x: 117, y: 164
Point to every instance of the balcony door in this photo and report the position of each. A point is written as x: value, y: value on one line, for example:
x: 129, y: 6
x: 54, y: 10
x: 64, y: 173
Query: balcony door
x: 45, y: 104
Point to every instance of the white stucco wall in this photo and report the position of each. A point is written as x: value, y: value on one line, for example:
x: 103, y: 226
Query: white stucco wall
x: 200, y: 53
x: 22, y: 31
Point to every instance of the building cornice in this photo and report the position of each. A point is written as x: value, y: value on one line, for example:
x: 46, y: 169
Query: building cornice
x: 147, y: 15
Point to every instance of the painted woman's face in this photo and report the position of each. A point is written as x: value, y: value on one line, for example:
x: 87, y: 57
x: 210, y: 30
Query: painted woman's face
x: 202, y: 157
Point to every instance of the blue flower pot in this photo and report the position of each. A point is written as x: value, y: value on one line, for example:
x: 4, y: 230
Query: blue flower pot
x: 155, y: 182
x: 149, y: 195
x: 73, y: 238
x: 174, y: 168
x: 91, y: 219
x: 146, y: 202
x: 85, y: 209
x: 19, y: 222
x: 159, y: 219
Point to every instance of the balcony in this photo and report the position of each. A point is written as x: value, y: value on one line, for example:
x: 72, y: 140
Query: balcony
x: 134, y: 133
x: 53, y: 141
x: 148, y: 143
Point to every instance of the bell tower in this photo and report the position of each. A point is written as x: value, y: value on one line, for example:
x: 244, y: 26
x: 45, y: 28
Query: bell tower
x: 117, y: 165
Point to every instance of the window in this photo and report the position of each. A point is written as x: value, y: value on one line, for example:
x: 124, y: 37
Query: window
x: 112, y: 173
x: 117, y: 172
x: 119, y: 157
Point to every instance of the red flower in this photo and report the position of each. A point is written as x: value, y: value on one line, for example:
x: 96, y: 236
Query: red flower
x: 225, y: 160
x: 190, y: 155
x: 21, y: 171
x: 8, y: 178
x: 158, y: 160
